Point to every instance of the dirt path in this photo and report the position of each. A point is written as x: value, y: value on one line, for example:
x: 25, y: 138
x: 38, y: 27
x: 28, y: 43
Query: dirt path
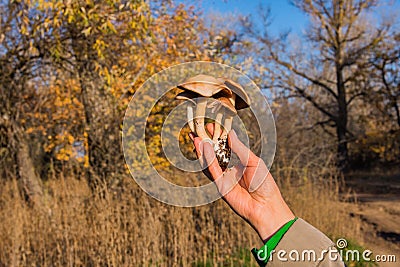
x: 378, y: 205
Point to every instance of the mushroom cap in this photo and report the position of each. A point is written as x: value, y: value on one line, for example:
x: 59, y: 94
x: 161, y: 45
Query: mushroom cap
x: 223, y: 102
x: 227, y: 104
x: 243, y: 100
x: 205, y: 85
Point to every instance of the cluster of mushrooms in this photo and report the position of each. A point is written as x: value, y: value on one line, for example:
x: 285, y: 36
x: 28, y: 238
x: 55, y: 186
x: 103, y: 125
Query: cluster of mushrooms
x: 228, y: 97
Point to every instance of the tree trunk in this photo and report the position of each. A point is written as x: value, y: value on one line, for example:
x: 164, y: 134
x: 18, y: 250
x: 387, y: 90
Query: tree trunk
x: 397, y: 110
x: 342, y: 150
x: 31, y: 183
x: 87, y: 93
x: 341, y: 121
x: 94, y: 102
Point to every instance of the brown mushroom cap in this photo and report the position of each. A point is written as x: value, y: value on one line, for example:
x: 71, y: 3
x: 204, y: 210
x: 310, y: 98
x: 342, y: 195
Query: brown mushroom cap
x: 224, y: 102
x: 243, y: 100
x: 227, y: 104
x: 206, y: 86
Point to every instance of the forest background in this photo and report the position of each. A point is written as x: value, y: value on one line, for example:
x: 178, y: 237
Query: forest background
x: 68, y: 70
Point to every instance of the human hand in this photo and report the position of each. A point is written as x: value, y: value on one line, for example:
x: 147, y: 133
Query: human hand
x: 248, y: 187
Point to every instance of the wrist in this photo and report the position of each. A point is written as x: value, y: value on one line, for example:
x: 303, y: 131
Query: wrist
x: 272, y: 219
x: 262, y: 255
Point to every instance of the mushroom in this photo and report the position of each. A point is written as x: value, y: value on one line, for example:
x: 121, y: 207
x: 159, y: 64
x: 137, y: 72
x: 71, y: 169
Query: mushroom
x: 223, y: 107
x: 200, y: 88
x: 229, y: 96
x: 188, y: 95
x: 242, y: 100
x: 237, y: 101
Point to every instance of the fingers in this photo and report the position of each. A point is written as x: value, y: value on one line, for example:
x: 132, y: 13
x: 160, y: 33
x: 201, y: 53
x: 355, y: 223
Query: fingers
x: 210, y: 128
x: 192, y: 136
x: 247, y: 158
x: 238, y: 172
x: 259, y: 176
x: 211, y: 160
x: 206, y: 155
x: 196, y: 141
x: 229, y: 183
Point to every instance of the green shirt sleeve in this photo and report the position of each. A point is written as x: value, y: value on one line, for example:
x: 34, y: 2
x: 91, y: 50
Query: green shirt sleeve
x: 262, y: 255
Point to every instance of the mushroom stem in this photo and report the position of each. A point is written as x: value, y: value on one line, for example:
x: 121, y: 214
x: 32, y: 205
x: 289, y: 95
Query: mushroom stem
x: 190, y: 118
x: 227, y: 126
x: 217, y: 126
x: 228, y: 120
x: 199, y: 118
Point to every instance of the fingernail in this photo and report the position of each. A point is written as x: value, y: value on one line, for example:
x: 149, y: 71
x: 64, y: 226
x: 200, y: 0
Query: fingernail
x: 191, y: 136
x: 203, y: 142
x: 208, y: 150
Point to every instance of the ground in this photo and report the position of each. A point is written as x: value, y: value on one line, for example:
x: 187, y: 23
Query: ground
x: 376, y: 201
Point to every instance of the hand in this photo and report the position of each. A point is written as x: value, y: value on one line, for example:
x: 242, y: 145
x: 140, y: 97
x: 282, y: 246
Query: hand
x: 248, y: 188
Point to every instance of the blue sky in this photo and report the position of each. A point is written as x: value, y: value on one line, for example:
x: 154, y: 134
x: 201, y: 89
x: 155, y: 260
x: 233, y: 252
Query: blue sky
x: 285, y: 16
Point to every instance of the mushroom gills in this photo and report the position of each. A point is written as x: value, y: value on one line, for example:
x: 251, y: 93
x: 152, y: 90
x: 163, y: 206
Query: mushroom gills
x: 222, y: 152
x: 221, y: 146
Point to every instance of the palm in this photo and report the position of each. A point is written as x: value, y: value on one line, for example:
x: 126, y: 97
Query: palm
x: 255, y: 187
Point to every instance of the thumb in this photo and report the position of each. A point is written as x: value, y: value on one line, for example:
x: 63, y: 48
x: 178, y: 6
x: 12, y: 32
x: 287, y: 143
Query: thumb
x: 246, y: 156
x: 211, y: 160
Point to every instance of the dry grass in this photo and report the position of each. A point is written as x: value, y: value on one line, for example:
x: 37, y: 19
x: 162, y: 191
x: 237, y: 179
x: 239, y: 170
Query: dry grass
x: 124, y: 229
x: 311, y: 185
x: 129, y: 228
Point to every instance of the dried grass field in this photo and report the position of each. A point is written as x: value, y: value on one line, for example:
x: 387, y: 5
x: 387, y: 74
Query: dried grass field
x: 126, y: 227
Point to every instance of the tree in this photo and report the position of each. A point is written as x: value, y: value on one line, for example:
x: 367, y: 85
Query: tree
x: 328, y: 68
x: 67, y: 72
x: 386, y: 67
x: 18, y: 64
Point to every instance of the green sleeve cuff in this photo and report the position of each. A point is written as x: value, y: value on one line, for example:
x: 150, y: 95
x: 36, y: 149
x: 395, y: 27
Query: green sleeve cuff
x: 262, y: 255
